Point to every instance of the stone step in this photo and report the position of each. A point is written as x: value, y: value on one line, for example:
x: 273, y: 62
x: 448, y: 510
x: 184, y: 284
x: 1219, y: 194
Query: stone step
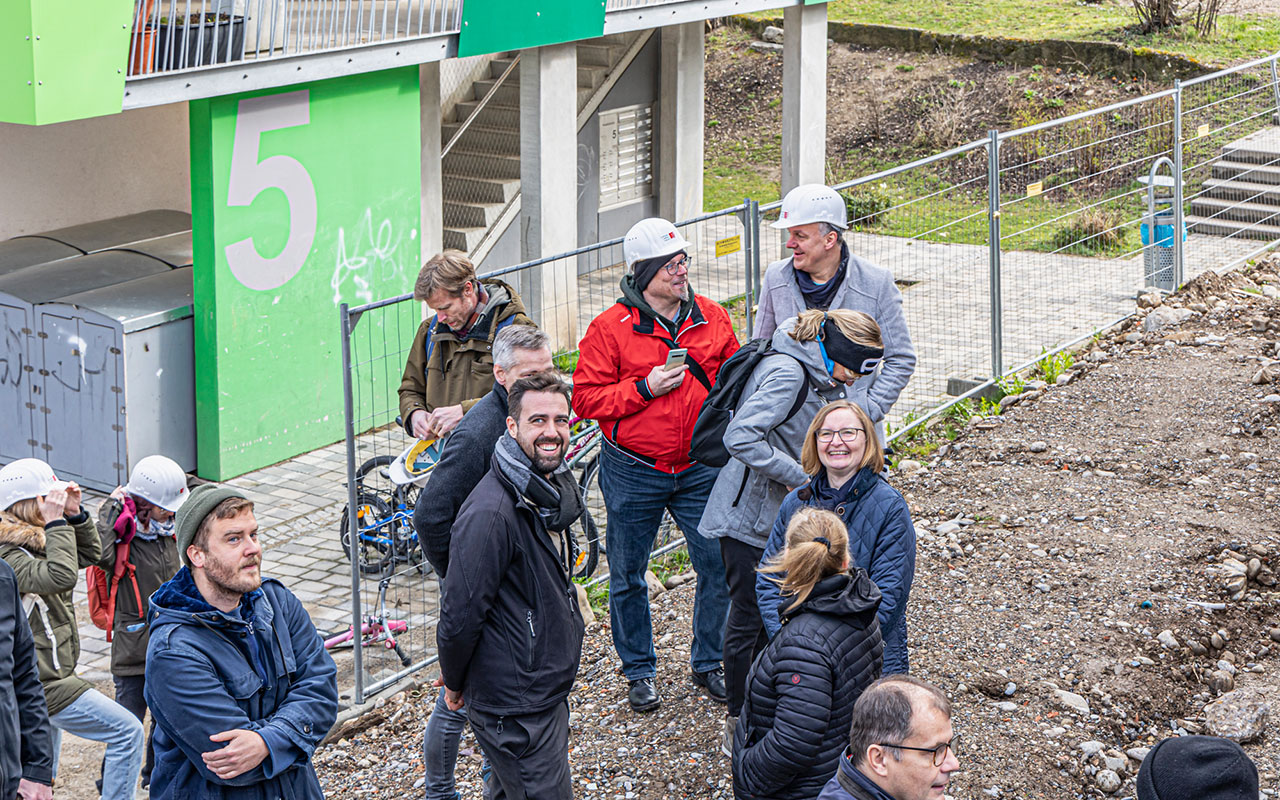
x: 487, y: 166
x: 1212, y: 207
x: 1243, y: 191
x: 595, y: 54
x: 1226, y: 227
x: 1256, y: 173
x: 494, y: 115
x: 1260, y: 147
x: 508, y: 94
x: 471, y: 215
x: 478, y: 190
x: 482, y: 138
x: 464, y: 239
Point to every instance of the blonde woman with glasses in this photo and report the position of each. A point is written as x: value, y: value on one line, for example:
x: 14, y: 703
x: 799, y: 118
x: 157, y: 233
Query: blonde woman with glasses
x: 846, y: 466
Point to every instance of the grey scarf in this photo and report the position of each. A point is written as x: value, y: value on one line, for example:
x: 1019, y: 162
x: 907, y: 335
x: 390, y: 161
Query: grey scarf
x: 555, y: 497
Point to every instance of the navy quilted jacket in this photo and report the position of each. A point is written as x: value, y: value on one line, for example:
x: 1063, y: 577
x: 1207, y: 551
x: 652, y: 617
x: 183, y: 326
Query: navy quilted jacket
x: 800, y: 693
x: 882, y: 541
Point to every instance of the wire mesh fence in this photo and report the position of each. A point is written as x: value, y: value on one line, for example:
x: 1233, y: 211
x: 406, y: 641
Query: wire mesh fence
x: 173, y: 35
x: 1003, y: 249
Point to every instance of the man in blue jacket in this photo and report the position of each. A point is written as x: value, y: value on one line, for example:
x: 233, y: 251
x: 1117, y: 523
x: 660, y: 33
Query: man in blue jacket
x: 238, y: 680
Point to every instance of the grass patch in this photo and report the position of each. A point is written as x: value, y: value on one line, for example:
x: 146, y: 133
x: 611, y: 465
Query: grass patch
x: 741, y: 169
x: 1238, y: 38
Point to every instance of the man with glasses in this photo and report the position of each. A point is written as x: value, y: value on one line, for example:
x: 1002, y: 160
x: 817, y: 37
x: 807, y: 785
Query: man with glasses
x: 633, y: 378
x: 822, y: 273
x: 901, y: 744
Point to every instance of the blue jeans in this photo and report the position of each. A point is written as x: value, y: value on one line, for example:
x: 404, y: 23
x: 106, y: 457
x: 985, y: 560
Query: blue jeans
x: 635, y: 496
x: 95, y: 716
x: 440, y: 748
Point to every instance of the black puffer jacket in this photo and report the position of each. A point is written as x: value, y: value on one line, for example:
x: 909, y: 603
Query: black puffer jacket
x: 801, y: 691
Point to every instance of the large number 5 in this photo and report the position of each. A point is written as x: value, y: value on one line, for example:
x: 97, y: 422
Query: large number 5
x: 250, y: 178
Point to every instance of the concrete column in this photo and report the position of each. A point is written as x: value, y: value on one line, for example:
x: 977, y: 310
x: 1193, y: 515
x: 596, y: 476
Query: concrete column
x: 432, y: 229
x: 549, y: 186
x: 680, y: 121
x: 804, y: 96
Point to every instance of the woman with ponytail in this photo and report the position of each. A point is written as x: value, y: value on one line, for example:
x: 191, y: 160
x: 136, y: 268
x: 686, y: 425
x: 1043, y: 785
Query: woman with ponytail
x: 813, y: 360
x: 800, y: 692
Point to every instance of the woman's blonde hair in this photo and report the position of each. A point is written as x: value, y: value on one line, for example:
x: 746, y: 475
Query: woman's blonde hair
x: 872, y: 455
x: 28, y: 511
x: 817, y: 548
x: 856, y: 326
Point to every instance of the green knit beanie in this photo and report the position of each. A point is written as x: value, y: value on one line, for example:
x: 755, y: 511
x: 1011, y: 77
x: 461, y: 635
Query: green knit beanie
x: 203, y: 500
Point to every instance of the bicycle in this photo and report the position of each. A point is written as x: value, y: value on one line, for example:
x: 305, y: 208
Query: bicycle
x: 376, y: 628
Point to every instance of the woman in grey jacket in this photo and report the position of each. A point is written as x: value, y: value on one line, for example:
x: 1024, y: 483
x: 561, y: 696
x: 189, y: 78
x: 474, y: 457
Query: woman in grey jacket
x: 817, y: 353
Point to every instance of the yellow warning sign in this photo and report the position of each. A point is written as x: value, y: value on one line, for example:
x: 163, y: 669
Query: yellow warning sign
x: 726, y: 246
x: 1202, y: 130
x: 1034, y: 189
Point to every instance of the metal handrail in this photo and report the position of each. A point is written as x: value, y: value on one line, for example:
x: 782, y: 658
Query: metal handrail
x: 484, y: 101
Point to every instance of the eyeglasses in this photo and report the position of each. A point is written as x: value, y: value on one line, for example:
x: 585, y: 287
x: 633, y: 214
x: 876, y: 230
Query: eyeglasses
x: 673, y: 267
x: 846, y: 434
x: 939, y: 752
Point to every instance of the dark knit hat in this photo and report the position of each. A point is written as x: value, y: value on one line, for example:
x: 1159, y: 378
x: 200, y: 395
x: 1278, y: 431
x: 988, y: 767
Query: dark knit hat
x: 647, y: 268
x: 203, y: 500
x: 1203, y: 767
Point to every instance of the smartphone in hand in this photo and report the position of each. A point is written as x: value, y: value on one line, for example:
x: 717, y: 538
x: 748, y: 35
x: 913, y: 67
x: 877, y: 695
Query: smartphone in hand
x: 675, y: 358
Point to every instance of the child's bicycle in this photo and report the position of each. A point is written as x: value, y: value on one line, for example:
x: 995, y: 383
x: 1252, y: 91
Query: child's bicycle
x: 376, y: 629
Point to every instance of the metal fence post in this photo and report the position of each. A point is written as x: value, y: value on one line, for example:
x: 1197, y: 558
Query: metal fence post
x: 348, y: 404
x: 750, y: 233
x: 755, y: 255
x: 1179, y: 249
x: 993, y: 247
x: 1275, y: 88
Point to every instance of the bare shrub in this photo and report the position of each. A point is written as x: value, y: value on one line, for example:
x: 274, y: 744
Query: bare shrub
x: 1205, y: 17
x: 1156, y: 15
x: 1092, y: 230
x: 946, y: 118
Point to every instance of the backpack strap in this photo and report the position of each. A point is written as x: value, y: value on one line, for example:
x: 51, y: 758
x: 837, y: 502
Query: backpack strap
x: 692, y: 363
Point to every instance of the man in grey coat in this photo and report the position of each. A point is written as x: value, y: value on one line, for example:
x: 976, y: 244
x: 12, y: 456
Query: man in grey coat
x: 821, y: 273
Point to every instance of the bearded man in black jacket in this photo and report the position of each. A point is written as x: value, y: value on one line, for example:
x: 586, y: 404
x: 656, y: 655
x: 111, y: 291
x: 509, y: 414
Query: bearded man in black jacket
x: 510, y: 634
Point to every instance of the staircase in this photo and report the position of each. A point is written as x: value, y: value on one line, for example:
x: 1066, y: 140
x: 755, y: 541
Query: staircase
x: 1242, y: 198
x: 481, y: 172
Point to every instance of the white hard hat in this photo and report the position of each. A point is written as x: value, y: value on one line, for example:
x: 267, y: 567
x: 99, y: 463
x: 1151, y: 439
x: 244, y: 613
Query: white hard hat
x: 414, y: 465
x: 813, y: 202
x: 652, y: 238
x: 23, y: 482
x: 41, y: 468
x: 160, y: 481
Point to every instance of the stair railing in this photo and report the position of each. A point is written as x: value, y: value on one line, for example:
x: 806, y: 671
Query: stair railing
x: 484, y: 101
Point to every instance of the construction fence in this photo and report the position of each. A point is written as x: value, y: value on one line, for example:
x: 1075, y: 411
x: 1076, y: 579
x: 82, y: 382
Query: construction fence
x: 1005, y: 249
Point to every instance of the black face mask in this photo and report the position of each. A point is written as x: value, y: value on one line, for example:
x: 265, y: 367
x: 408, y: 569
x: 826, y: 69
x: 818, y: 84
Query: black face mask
x: 849, y: 354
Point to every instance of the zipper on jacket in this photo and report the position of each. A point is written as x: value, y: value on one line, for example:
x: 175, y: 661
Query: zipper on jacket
x: 742, y: 488
x: 528, y: 615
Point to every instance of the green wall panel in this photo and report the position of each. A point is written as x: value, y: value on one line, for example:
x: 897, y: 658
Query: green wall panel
x: 302, y: 199
x: 62, y: 60
x: 493, y: 26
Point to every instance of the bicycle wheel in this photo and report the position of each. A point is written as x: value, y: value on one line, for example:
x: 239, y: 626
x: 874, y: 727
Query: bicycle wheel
x: 375, y: 555
x: 374, y: 476
x: 585, y: 539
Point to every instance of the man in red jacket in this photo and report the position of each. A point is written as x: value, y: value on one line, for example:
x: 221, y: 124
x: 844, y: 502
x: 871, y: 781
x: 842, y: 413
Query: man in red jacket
x: 647, y: 411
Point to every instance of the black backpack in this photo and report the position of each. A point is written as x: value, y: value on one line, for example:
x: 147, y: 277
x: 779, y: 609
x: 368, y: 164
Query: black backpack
x: 707, y: 444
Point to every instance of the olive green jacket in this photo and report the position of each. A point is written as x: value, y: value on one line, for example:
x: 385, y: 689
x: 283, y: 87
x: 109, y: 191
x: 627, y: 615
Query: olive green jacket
x: 47, y: 563
x: 154, y: 562
x: 458, y: 371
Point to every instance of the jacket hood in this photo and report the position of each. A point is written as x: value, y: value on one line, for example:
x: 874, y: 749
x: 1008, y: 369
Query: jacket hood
x: 14, y: 531
x: 806, y: 353
x: 849, y: 594
x: 179, y: 601
x: 632, y: 296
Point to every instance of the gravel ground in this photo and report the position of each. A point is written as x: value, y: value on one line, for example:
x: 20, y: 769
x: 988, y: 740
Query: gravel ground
x: 1095, y: 567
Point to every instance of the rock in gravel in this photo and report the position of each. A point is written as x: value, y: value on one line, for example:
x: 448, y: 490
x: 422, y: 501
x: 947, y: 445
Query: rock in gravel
x: 1165, y: 317
x: 1138, y: 754
x: 772, y: 35
x: 992, y: 684
x: 909, y: 465
x: 951, y: 526
x: 1267, y: 374
x: 1091, y: 747
x: 1149, y: 300
x: 1274, y: 633
x: 1107, y: 781
x: 1240, y: 715
x: 1167, y: 640
x: 1038, y: 447
x: 1221, y: 682
x: 656, y: 586
x: 1072, y: 701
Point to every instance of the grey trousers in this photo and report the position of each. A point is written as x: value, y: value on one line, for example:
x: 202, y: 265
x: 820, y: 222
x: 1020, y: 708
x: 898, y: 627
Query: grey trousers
x: 529, y: 753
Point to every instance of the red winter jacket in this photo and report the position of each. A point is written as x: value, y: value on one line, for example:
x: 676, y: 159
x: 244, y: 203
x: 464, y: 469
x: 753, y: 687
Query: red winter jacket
x: 622, y: 345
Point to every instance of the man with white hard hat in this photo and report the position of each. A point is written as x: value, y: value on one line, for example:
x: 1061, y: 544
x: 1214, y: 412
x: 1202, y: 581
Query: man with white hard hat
x: 822, y: 273
x: 644, y: 368
x: 139, y: 553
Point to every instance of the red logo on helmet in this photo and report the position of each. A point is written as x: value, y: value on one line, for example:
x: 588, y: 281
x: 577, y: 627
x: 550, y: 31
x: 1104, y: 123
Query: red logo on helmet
x: 671, y: 235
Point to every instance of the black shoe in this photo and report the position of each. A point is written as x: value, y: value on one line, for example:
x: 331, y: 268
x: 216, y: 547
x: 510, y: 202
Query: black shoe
x: 713, y: 681
x: 643, y: 695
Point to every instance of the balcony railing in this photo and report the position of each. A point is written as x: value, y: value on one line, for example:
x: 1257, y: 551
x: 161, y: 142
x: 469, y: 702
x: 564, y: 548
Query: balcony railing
x: 171, y: 35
